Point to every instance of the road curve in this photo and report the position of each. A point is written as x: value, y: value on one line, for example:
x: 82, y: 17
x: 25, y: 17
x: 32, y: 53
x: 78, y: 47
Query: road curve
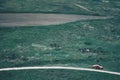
x: 58, y: 67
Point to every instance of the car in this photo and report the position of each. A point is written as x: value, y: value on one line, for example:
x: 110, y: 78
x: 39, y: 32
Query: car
x: 96, y: 66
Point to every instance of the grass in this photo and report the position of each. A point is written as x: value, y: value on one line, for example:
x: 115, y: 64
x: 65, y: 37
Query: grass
x: 55, y: 75
x: 79, y: 44
x: 97, y: 7
x: 64, y: 45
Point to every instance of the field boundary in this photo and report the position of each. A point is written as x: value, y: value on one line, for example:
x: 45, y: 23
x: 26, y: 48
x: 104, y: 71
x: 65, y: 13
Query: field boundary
x: 58, y: 67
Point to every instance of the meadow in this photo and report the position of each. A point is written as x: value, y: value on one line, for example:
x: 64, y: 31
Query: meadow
x: 81, y: 44
x: 87, y: 7
x: 78, y: 44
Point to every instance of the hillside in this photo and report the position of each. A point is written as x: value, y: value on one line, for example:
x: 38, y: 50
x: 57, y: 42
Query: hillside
x: 81, y: 43
x: 91, y: 7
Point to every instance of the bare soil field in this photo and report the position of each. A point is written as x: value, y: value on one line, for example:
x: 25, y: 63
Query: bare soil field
x: 30, y: 19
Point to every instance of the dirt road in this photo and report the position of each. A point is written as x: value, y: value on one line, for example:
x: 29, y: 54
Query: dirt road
x: 58, y: 67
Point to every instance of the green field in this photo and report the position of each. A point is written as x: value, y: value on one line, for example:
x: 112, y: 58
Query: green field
x: 62, y: 45
x: 55, y: 75
x: 77, y: 44
x: 96, y: 7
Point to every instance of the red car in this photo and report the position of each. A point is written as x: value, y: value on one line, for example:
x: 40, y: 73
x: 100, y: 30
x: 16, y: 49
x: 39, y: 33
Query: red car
x: 97, y: 67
